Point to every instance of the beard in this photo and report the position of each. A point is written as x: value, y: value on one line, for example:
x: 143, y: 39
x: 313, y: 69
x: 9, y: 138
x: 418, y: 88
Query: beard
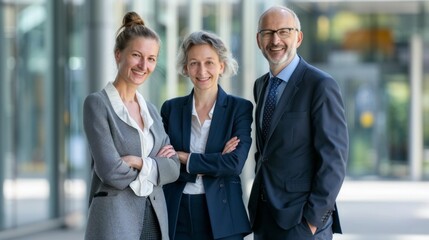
x: 277, y: 61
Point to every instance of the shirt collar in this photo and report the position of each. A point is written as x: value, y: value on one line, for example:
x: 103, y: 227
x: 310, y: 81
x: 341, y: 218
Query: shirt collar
x: 122, y: 111
x: 194, y: 110
x: 288, y: 70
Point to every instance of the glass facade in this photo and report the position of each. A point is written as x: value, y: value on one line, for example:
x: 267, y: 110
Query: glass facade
x: 56, y: 52
x: 27, y: 114
x: 42, y: 88
x: 368, y: 49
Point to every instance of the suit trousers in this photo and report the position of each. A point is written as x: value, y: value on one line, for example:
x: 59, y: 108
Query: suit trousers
x: 151, y: 229
x: 194, y: 221
x: 265, y: 227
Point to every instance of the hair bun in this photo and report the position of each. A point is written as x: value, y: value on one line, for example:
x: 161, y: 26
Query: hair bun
x: 131, y: 19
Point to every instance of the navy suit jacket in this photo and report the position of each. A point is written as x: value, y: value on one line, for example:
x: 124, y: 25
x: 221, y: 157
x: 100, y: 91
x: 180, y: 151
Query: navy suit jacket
x: 232, y: 116
x: 302, y: 163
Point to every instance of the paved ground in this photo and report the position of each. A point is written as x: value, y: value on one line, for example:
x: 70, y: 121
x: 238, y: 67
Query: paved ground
x: 370, y: 210
x: 390, y: 210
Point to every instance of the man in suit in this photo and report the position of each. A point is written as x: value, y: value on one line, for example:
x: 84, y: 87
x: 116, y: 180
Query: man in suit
x: 301, y: 139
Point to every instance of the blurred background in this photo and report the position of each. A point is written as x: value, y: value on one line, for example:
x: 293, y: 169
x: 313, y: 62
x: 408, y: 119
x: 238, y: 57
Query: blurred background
x: 55, y: 52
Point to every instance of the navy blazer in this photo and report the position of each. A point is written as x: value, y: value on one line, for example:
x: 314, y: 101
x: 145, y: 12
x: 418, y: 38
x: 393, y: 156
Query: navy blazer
x: 302, y: 164
x: 232, y: 116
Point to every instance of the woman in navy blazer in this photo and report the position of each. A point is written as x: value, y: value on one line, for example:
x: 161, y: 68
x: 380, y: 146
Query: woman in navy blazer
x: 210, y: 130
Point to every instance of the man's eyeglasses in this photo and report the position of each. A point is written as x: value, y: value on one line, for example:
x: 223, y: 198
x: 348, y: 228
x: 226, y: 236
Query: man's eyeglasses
x: 282, y: 32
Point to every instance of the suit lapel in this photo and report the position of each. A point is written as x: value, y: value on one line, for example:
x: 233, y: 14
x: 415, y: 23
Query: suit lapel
x: 261, y: 86
x: 288, y: 94
x: 186, y: 122
x: 215, y: 135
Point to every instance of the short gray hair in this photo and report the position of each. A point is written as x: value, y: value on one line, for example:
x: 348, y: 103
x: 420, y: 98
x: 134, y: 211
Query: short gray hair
x: 277, y: 8
x: 201, y: 38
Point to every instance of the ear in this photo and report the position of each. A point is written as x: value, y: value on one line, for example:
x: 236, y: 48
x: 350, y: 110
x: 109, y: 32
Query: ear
x: 222, y: 68
x: 117, y: 55
x: 257, y: 40
x: 185, y: 71
x: 300, y: 37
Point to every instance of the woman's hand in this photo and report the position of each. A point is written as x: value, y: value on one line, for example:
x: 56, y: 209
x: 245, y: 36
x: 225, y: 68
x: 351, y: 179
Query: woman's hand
x: 167, y: 151
x: 133, y: 161
x: 231, y: 145
x: 183, y: 157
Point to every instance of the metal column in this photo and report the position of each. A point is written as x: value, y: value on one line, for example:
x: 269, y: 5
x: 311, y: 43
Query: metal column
x: 416, y: 111
x: 171, y: 49
x: 101, y: 65
x: 248, y: 67
x: 224, y: 29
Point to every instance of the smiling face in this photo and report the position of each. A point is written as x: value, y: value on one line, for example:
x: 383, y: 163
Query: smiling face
x: 203, y: 67
x: 278, y: 51
x: 137, y: 61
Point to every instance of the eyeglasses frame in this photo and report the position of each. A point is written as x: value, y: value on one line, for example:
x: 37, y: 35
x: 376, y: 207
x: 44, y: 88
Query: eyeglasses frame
x: 270, y: 33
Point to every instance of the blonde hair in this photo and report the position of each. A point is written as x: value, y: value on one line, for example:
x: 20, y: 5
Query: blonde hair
x: 133, y: 26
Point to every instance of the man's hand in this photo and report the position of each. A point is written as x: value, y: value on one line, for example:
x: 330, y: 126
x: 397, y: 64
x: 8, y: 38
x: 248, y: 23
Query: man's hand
x: 312, y: 228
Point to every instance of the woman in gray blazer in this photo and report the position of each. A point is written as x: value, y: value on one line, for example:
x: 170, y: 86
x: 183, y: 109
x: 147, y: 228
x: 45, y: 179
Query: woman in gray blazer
x: 131, y: 153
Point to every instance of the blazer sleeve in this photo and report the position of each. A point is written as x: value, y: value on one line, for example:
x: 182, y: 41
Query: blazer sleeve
x: 170, y: 111
x: 168, y: 168
x: 107, y: 163
x: 331, y: 145
x: 217, y: 164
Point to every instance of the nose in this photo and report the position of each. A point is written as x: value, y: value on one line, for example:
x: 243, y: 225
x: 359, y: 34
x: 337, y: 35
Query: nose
x: 142, y: 63
x: 275, y: 39
x: 201, y: 68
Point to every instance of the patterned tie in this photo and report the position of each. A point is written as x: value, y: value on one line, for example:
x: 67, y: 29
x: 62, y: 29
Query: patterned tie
x: 270, y: 105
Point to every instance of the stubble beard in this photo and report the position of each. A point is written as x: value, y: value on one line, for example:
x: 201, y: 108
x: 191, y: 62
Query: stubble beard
x: 279, y: 63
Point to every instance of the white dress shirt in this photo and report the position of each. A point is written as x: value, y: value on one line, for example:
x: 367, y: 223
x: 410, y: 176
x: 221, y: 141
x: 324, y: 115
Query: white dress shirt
x: 199, y: 135
x: 148, y: 175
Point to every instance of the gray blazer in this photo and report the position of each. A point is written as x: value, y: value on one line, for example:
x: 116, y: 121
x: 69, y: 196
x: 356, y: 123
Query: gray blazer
x: 115, y: 212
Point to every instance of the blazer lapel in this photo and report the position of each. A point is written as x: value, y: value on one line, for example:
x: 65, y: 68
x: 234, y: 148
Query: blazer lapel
x: 217, y: 120
x: 186, y: 122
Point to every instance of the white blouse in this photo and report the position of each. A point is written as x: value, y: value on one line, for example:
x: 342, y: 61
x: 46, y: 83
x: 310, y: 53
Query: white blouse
x: 147, y: 178
x: 199, y: 135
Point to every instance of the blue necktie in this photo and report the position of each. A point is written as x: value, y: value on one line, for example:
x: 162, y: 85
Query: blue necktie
x: 270, y: 105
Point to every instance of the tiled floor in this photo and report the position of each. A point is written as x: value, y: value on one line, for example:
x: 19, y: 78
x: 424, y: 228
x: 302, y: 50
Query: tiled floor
x: 369, y: 210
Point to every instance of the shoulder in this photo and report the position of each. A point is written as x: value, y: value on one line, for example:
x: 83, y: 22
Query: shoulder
x: 262, y: 79
x: 312, y: 71
x: 174, y: 103
x: 177, y: 100
x: 317, y: 76
x: 151, y: 107
x: 153, y: 110
x: 94, y: 96
x: 95, y: 99
x: 231, y: 100
x: 239, y: 102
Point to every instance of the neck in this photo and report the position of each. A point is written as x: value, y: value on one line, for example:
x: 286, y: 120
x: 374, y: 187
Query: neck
x: 276, y: 68
x: 126, y: 91
x: 205, y: 97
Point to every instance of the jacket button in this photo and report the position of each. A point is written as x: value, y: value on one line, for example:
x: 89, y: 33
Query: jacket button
x: 224, y: 201
x: 221, y: 185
